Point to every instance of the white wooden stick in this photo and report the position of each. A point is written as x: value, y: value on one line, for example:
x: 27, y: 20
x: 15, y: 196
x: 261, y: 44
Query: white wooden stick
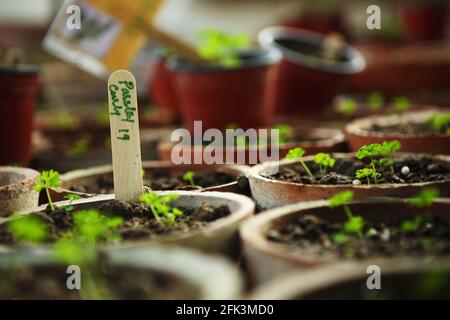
x: 125, y: 140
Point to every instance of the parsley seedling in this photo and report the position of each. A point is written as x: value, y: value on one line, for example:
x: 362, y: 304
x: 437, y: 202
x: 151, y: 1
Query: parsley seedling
x: 189, y: 177
x: 423, y: 200
x: 375, y: 100
x: 348, y: 106
x: 367, y: 173
x: 354, y: 224
x: 47, y: 180
x: 298, y: 153
x: 285, y: 132
x: 324, y: 161
x: 161, y: 206
x: 401, y: 104
x: 440, y: 123
x: 222, y: 48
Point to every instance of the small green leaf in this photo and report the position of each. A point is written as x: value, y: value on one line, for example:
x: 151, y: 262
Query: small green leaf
x: 340, y: 199
x: 409, y: 226
x: 340, y: 238
x: 354, y: 225
x: 425, y: 198
x: 296, y: 153
x: 28, y: 229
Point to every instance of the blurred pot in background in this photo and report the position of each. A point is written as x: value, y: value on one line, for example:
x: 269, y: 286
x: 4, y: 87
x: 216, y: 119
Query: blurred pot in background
x: 308, y: 77
x: 18, y: 90
x: 424, y: 19
x: 219, y: 96
x: 162, y: 92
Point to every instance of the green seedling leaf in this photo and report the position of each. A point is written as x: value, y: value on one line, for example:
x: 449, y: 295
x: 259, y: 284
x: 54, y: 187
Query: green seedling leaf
x: 28, y: 229
x: 440, y: 123
x: 91, y: 226
x: 401, y: 104
x: 355, y: 224
x: 47, y: 180
x: 298, y: 153
x: 348, y: 106
x: 78, y: 148
x: 367, y: 173
x: 340, y: 199
x: 189, y: 177
x: 324, y: 161
x: 375, y: 100
x: 340, y: 238
x: 285, y: 131
x: 425, y: 198
x: 161, y: 206
x: 409, y: 226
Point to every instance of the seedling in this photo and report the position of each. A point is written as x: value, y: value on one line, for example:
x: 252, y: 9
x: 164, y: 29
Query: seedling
x: 298, y: 153
x: 47, y: 180
x: 348, y: 106
x: 161, y: 206
x: 71, y: 197
x: 29, y: 229
x: 372, y: 151
x: 375, y: 100
x: 354, y: 224
x: 440, y: 123
x: 285, y: 132
x: 90, y: 226
x: 423, y: 200
x: 401, y: 104
x: 189, y: 177
x: 367, y: 173
x: 222, y: 48
x: 324, y: 160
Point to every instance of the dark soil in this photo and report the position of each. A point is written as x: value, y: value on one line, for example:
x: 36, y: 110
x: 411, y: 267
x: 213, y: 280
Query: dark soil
x: 422, y: 169
x: 139, y: 221
x: 122, y: 283
x: 316, y: 236
x: 408, y: 129
x: 160, y: 179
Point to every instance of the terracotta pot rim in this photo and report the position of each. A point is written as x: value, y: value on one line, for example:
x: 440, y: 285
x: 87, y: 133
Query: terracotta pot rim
x: 331, y: 137
x: 148, y: 165
x: 255, y: 173
x: 301, y: 283
x: 161, y: 258
x: 360, y: 127
x: 252, y: 231
x: 252, y: 59
x: 29, y: 177
x: 269, y: 36
x: 246, y: 210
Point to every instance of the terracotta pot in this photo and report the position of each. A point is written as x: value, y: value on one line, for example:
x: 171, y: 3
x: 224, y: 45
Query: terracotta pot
x: 266, y: 259
x: 218, y: 96
x: 210, y: 277
x: 220, y: 236
x: 359, y: 133
x: 306, y: 83
x: 348, y: 281
x: 161, y: 89
x: 16, y: 190
x: 322, y: 140
x: 91, y: 175
x: 394, y: 68
x: 269, y: 193
x: 363, y: 108
x: 18, y: 90
x: 425, y: 20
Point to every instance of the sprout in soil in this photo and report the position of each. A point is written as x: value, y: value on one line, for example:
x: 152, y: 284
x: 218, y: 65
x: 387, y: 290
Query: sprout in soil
x: 354, y: 224
x: 161, y: 206
x: 324, y: 161
x: 71, y: 197
x: 285, y: 132
x: 375, y: 100
x: 221, y: 47
x: 47, y: 180
x: 28, y: 229
x: 384, y: 154
x: 423, y: 200
x: 298, y: 153
x: 440, y: 123
x: 348, y: 106
x: 189, y: 177
x: 401, y: 104
x: 367, y: 173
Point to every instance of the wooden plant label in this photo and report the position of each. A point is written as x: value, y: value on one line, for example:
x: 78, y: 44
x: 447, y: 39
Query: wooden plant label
x: 125, y: 141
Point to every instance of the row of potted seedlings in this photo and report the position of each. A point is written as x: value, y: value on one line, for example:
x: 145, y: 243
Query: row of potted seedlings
x: 301, y: 235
